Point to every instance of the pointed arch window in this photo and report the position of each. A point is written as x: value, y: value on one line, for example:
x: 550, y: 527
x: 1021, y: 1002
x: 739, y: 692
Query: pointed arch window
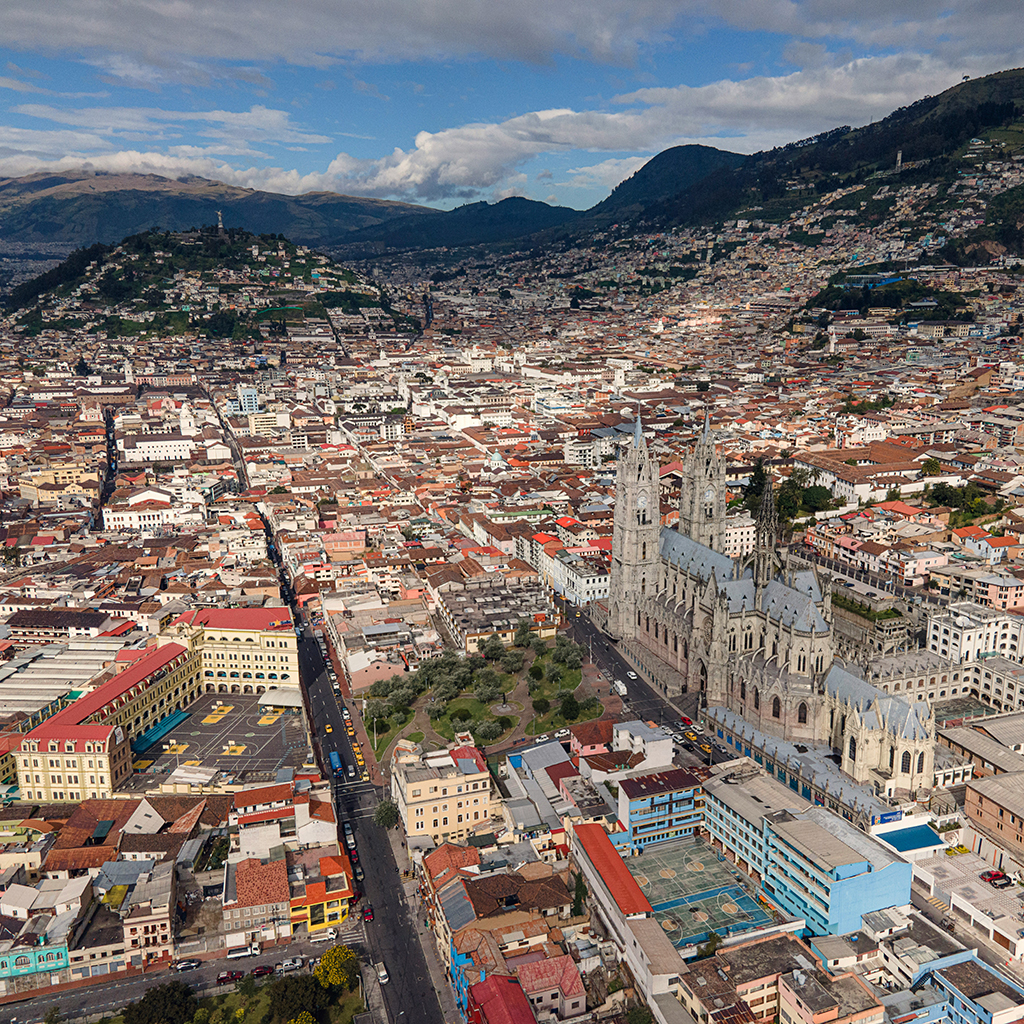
x: 743, y: 689
x: 643, y: 551
x: 776, y: 707
x: 801, y: 713
x: 757, y: 699
x: 853, y: 748
x: 892, y: 758
x: 905, y: 762
x: 920, y: 762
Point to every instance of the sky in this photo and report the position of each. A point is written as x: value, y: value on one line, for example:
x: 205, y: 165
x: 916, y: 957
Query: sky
x: 443, y: 102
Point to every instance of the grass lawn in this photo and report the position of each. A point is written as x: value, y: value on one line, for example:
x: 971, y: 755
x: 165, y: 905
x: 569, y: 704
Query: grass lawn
x: 415, y: 737
x: 554, y: 721
x: 478, y: 713
x: 385, y: 737
x: 341, y: 1010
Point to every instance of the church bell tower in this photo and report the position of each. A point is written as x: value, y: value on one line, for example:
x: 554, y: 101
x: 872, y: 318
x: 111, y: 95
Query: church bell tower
x: 702, y: 498
x: 635, y: 537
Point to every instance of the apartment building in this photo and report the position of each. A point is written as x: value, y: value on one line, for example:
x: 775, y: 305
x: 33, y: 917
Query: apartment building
x: 996, y: 804
x: 656, y: 807
x: 444, y: 794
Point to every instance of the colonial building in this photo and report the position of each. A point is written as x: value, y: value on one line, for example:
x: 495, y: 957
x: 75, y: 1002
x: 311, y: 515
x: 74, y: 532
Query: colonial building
x: 750, y: 634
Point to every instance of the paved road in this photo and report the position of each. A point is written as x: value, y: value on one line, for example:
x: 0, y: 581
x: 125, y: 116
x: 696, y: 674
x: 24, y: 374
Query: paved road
x: 392, y: 935
x: 111, y: 997
x: 641, y: 701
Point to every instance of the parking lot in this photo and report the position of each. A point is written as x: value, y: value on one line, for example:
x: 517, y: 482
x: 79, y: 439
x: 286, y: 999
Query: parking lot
x: 229, y: 732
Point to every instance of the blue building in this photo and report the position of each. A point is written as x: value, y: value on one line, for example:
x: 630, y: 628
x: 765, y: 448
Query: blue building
x: 976, y: 994
x: 809, y: 861
x: 657, y: 807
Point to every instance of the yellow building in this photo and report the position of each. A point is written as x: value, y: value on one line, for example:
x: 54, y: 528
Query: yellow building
x: 444, y: 794
x: 83, y: 751
x: 243, y: 650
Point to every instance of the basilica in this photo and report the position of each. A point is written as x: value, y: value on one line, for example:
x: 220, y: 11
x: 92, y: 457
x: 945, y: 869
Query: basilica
x: 752, y: 635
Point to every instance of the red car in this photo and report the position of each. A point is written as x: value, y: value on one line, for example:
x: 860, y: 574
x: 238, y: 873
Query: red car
x: 229, y: 977
x: 353, y: 856
x: 262, y: 971
x: 992, y: 876
x: 685, y: 720
x: 368, y: 912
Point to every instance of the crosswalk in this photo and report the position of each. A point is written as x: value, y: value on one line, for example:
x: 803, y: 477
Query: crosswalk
x: 936, y: 902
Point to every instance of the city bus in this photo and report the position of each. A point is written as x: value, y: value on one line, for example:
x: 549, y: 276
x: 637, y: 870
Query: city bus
x: 336, y: 766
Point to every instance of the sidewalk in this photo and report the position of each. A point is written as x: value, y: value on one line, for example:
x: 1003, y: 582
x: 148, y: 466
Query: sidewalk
x: 410, y: 890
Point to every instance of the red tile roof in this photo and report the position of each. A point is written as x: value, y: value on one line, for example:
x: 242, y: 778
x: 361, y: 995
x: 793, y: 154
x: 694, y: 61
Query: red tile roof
x: 502, y: 1001
x: 257, y: 884
x: 609, y: 865
x: 558, y: 972
x: 240, y: 618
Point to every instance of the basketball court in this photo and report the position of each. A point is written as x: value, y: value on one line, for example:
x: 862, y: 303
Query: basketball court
x: 693, y: 893
x: 230, y: 732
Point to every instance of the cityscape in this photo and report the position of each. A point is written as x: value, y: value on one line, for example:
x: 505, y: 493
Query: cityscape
x: 505, y: 615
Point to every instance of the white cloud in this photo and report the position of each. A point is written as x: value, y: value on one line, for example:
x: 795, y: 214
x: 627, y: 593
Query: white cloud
x: 606, y: 174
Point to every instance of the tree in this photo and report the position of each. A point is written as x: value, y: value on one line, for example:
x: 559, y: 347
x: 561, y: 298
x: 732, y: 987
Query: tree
x: 487, y: 692
x: 492, y: 648
x: 512, y: 662
x: 295, y: 994
x: 574, y: 659
x: 542, y: 705
x: 246, y: 988
x: 540, y: 646
x: 376, y: 709
x: 522, y: 635
x: 53, y: 1014
x: 338, y: 967
x: 487, y: 732
x: 385, y: 814
x: 639, y: 1015
x: 536, y: 672
x: 82, y: 368
x: 303, y: 1018
x: 708, y: 949
x: 817, y: 498
x: 171, y: 1003
x: 569, y: 707
x: 579, y: 894
x: 931, y: 467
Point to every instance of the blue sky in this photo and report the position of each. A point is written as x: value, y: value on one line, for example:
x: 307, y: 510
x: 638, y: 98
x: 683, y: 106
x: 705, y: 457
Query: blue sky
x: 442, y: 102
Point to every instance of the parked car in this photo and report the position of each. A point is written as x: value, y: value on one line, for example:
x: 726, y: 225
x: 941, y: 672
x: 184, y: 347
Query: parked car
x: 229, y: 977
x: 991, y: 876
x: 358, y: 873
x: 368, y: 912
x: 382, y: 973
x: 1001, y: 883
x: 187, y: 965
x: 353, y: 856
x: 293, y: 963
x: 262, y: 971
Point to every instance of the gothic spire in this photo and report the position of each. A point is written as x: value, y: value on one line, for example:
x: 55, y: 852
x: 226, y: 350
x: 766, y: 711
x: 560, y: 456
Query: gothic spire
x: 767, y: 516
x: 638, y: 431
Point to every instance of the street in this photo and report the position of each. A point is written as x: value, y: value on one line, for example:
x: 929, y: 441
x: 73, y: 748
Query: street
x: 641, y: 702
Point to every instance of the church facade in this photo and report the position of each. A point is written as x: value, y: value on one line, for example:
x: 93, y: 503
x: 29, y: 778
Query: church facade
x: 751, y: 635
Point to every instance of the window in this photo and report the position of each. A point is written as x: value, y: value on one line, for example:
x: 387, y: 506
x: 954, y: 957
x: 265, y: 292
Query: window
x: 757, y: 699
x: 776, y: 707
x: 853, y: 748
x: 905, y: 762
x: 920, y: 762
x: 801, y: 714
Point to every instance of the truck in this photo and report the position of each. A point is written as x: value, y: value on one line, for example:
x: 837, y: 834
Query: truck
x: 619, y: 687
x: 336, y: 766
x: 240, y: 952
x: 324, y: 935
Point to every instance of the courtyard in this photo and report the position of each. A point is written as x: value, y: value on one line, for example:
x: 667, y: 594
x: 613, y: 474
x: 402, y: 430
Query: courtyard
x: 694, y: 893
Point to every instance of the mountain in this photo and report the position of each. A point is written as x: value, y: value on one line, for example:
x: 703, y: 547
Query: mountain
x: 671, y: 171
x: 927, y: 135
x: 82, y: 207
x: 680, y: 186
x: 473, y: 224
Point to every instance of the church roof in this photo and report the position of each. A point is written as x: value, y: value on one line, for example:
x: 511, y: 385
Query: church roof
x: 901, y: 717
x: 693, y: 557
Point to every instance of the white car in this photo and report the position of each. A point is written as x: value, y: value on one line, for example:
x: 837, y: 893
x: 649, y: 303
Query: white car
x: 632, y: 675
x: 382, y: 973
